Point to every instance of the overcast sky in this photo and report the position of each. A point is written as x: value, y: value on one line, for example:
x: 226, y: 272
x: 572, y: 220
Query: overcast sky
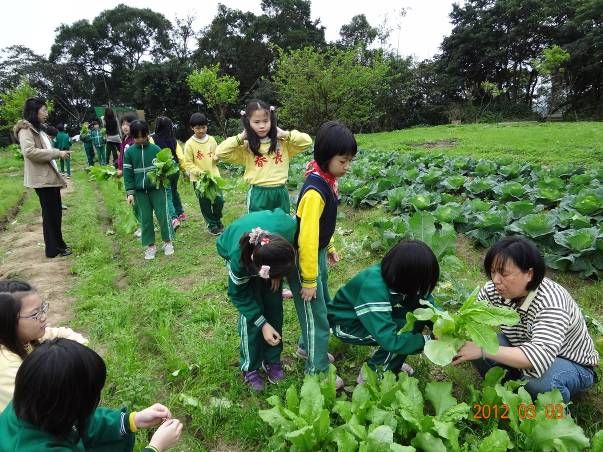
x: 419, y: 33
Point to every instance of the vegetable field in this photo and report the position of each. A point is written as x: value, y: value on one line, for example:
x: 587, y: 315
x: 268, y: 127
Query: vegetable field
x: 168, y: 332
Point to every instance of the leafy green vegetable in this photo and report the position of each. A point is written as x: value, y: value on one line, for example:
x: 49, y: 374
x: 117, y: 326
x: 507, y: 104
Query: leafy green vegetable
x: 209, y: 186
x: 578, y: 240
x: 106, y: 172
x: 589, y: 202
x: 522, y: 208
x: 454, y: 183
x: 449, y: 213
x: 534, y: 225
x: 511, y: 190
x: 475, y: 321
x: 163, y: 167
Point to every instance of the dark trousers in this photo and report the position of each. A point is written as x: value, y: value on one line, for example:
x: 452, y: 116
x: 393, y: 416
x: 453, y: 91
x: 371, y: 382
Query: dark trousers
x: 52, y: 215
x: 112, y: 151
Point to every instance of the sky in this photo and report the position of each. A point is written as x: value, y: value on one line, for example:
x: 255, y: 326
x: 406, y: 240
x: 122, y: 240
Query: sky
x: 419, y: 33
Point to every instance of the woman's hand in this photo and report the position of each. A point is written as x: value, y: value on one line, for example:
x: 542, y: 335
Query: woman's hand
x: 167, y: 435
x: 308, y: 293
x: 468, y: 352
x: 130, y: 199
x: 271, y: 336
x: 64, y: 155
x: 151, y: 416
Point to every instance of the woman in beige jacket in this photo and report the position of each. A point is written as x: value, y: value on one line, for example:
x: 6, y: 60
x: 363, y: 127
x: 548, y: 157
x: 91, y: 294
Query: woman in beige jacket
x: 23, y: 326
x: 42, y: 174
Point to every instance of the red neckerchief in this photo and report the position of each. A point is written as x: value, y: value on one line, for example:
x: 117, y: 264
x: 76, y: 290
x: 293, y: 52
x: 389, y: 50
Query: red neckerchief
x: 312, y: 167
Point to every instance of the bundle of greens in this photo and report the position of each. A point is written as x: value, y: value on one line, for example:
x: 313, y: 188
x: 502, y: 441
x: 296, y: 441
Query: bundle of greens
x: 107, y: 172
x: 475, y: 321
x: 209, y: 186
x: 163, y: 167
x: 85, y: 133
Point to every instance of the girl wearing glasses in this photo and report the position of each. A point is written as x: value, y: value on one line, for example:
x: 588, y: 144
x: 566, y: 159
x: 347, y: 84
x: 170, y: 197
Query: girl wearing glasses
x: 23, y: 326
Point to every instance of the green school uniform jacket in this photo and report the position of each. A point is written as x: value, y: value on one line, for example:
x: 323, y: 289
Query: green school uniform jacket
x: 138, y: 161
x: 62, y: 141
x: 97, y: 138
x: 367, y: 301
x: 276, y: 222
x: 108, y: 431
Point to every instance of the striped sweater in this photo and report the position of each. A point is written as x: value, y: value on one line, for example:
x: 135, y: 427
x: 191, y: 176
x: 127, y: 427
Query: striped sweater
x: 551, y: 324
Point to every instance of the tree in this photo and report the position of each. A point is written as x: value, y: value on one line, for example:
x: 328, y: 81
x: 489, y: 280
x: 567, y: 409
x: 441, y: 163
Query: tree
x: 218, y: 92
x: 358, y: 33
x: 317, y: 86
x: 11, y: 105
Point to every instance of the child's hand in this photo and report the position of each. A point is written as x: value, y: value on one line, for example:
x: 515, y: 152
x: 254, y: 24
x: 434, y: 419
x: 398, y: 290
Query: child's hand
x: 130, y: 199
x: 167, y: 435
x: 243, y: 135
x: 151, y: 416
x: 119, y: 173
x: 270, y: 334
x: 333, y: 258
x: 275, y: 284
x: 280, y: 133
x: 308, y: 293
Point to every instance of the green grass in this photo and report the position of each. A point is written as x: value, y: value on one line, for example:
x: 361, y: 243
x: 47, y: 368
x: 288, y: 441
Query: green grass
x: 550, y: 143
x: 167, y: 330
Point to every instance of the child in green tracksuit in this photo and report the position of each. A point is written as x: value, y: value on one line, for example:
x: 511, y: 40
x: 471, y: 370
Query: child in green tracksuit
x: 138, y: 161
x: 371, y: 308
x: 258, y: 249
x: 55, y: 407
x: 87, y: 141
x: 316, y: 215
x: 98, y: 141
x: 63, y: 143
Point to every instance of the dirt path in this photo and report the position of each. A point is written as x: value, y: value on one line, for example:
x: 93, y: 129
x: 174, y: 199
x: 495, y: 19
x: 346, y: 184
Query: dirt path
x: 22, y: 245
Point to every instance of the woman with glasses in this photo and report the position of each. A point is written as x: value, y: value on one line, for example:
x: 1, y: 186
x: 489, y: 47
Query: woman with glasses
x: 550, y: 346
x: 23, y: 326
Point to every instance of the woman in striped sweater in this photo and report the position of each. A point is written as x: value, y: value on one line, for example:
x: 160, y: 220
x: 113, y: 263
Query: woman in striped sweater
x: 550, y: 346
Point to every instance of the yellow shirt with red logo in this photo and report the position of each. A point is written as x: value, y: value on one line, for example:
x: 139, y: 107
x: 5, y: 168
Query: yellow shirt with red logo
x: 266, y: 170
x: 200, y: 157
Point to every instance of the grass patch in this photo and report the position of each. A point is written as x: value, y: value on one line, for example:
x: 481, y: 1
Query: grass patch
x: 550, y: 143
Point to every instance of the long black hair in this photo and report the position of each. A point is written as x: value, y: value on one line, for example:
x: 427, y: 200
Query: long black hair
x: 164, y: 135
x: 410, y: 268
x: 110, y: 122
x: 11, y: 293
x: 58, y: 386
x: 30, y: 110
x: 267, y: 249
x: 252, y: 137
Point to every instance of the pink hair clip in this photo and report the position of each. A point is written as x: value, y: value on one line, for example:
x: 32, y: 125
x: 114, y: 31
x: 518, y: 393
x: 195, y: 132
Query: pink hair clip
x: 264, y: 272
x: 264, y: 241
x: 255, y: 235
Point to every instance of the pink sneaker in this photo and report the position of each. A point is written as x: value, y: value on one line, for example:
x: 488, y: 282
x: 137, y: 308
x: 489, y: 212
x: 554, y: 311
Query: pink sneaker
x: 182, y: 216
x: 175, y: 223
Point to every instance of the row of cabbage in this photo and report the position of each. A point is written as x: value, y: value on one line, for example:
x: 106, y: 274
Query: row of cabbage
x: 559, y: 208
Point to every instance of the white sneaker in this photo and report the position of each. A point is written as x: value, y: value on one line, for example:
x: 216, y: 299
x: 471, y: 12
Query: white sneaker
x: 302, y: 354
x: 168, y: 249
x: 138, y: 233
x: 150, y: 252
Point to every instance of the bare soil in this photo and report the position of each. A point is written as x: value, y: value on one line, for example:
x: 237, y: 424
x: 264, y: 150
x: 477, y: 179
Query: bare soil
x: 22, y: 256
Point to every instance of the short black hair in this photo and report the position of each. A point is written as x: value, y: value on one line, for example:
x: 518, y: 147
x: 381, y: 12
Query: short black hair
x: 333, y: 138
x: 411, y: 268
x: 198, y: 119
x: 522, y: 252
x: 94, y: 123
x: 58, y: 386
x: 61, y: 127
x: 139, y: 129
x: 129, y: 118
x: 51, y: 131
x: 30, y: 110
